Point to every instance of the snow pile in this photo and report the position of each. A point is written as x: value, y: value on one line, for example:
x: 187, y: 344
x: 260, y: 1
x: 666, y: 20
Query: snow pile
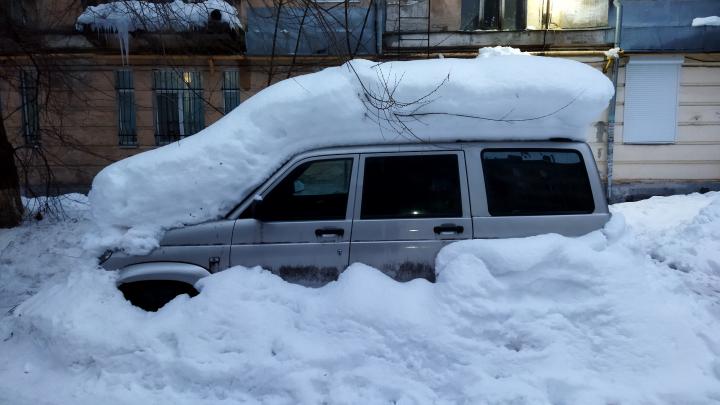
x: 589, y: 320
x: 489, y: 52
x: 492, y: 98
x: 123, y: 17
x: 613, y: 53
x: 683, y: 233
x: 703, y: 21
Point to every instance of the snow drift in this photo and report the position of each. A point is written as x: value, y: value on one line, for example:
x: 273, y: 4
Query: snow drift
x: 490, y: 98
x: 589, y: 320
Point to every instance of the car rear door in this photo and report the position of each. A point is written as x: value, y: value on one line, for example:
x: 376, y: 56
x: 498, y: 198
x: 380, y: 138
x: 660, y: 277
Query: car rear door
x: 408, y: 206
x: 301, y: 228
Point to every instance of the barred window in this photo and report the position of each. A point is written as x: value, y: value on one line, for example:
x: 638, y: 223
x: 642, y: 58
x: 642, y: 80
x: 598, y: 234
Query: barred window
x: 179, y: 109
x: 231, y: 89
x: 29, y: 94
x: 126, y: 108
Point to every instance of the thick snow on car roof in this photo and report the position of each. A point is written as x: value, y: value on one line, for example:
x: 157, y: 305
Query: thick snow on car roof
x: 501, y: 95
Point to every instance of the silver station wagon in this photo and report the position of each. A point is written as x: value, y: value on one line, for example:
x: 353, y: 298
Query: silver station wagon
x: 392, y: 207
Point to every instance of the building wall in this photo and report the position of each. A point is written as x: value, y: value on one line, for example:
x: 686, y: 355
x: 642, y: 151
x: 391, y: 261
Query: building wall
x: 79, y: 128
x: 692, y: 163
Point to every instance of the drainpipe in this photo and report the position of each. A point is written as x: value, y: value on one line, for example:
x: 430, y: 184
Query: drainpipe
x: 380, y: 16
x: 613, y: 102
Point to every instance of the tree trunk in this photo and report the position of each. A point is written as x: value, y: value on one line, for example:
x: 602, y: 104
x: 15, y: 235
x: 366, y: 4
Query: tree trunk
x: 10, y: 205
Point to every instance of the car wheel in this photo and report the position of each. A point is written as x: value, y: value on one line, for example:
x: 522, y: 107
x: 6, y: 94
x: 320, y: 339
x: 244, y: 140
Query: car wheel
x: 152, y: 295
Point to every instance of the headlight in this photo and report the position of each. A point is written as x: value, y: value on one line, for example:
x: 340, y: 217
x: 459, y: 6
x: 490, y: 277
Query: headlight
x: 105, y: 256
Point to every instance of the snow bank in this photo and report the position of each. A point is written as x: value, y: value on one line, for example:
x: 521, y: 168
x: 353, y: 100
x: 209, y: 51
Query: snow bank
x: 589, y: 320
x: 494, y: 98
x: 702, y: 21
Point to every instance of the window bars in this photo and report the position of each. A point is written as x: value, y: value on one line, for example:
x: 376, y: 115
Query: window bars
x: 179, y: 108
x: 30, y: 116
x: 127, y: 133
x: 231, y: 90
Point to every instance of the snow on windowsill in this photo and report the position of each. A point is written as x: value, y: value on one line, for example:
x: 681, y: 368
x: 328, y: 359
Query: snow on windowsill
x: 705, y: 21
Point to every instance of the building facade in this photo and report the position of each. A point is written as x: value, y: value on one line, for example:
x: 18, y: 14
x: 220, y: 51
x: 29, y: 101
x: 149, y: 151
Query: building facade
x: 79, y: 95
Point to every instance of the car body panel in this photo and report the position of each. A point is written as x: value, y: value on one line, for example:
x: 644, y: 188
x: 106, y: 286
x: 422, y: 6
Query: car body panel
x: 402, y: 248
x: 405, y: 248
x: 183, y: 272
x: 310, y: 253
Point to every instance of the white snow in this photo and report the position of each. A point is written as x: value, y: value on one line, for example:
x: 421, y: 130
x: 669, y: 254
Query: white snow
x: 490, y: 51
x: 613, y: 53
x: 703, y: 21
x: 491, y: 98
x: 125, y: 16
x: 598, y: 319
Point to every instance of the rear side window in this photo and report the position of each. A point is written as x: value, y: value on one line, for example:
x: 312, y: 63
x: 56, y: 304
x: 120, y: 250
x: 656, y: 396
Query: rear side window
x: 536, y: 182
x: 316, y: 190
x: 420, y: 186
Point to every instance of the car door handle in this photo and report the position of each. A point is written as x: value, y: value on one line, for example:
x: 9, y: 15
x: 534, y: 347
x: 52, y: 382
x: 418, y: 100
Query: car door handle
x: 326, y: 232
x: 447, y: 229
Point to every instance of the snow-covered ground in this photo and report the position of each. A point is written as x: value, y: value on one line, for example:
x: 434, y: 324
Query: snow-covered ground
x: 626, y: 315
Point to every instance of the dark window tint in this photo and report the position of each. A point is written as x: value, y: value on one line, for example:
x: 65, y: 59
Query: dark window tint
x: 425, y: 186
x: 315, y: 190
x: 536, y: 182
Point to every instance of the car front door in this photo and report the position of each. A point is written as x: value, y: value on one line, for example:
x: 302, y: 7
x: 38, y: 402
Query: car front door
x: 408, y: 206
x: 300, y: 228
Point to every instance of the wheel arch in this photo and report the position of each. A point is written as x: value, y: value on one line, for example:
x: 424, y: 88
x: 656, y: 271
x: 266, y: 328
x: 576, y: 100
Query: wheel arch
x: 162, y: 271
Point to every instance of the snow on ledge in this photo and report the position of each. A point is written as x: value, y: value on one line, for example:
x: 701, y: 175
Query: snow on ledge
x: 125, y: 16
x: 510, y: 97
x: 702, y: 21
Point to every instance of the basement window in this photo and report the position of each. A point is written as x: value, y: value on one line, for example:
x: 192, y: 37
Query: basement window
x: 179, y: 104
x: 651, y: 100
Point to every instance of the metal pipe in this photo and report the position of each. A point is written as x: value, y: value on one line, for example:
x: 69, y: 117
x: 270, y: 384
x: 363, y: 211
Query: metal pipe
x: 613, y: 103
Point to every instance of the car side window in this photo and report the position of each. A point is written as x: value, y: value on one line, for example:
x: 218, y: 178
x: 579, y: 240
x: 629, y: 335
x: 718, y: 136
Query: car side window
x: 316, y: 190
x: 536, y: 182
x: 419, y: 186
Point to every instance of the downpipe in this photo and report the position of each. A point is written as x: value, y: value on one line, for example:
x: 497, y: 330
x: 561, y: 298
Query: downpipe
x: 613, y: 103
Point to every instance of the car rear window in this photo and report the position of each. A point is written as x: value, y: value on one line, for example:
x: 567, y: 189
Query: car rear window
x: 417, y: 186
x: 536, y: 182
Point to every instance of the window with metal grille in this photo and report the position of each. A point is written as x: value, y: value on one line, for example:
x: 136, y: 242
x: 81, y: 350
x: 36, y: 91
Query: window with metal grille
x: 231, y: 89
x: 179, y: 108
x: 126, y: 108
x: 29, y: 95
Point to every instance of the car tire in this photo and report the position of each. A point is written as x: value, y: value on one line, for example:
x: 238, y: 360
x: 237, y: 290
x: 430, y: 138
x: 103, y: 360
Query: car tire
x: 152, y: 295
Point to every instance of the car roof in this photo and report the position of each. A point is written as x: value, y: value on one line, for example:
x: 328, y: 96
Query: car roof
x: 431, y: 146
